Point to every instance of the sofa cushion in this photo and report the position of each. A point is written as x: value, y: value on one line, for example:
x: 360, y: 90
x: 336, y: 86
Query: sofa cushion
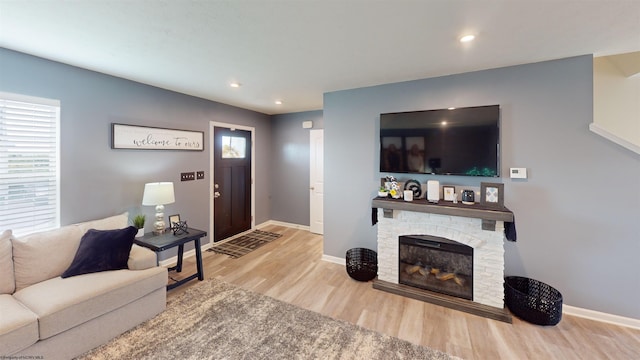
x: 141, y: 258
x: 7, y: 279
x: 102, y: 250
x: 61, y: 304
x: 18, y: 326
x: 109, y: 223
x: 45, y: 255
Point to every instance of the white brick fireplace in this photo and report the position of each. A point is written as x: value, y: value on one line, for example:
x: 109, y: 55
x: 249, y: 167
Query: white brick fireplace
x: 454, y: 222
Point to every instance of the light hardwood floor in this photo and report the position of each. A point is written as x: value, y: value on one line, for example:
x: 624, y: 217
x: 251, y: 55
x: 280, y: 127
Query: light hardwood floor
x: 291, y: 269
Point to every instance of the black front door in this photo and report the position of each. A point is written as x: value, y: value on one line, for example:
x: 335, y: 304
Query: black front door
x: 232, y: 182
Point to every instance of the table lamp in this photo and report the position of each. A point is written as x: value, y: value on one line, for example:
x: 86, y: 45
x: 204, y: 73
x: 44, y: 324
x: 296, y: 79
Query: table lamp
x: 158, y: 194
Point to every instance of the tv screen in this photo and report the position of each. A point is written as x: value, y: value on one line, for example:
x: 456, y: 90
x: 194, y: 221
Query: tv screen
x: 460, y: 141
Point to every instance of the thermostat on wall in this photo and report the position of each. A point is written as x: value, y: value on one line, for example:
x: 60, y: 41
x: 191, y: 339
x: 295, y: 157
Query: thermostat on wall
x: 518, y: 173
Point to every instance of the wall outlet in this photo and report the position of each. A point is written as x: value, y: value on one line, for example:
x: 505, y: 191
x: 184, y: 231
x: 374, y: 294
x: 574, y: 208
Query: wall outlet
x: 187, y: 176
x: 199, y: 175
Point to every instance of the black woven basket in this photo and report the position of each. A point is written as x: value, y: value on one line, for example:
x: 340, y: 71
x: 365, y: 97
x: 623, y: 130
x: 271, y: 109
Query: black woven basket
x: 532, y: 300
x: 362, y: 264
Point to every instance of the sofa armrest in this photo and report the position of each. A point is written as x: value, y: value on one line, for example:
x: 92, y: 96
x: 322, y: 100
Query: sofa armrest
x: 141, y: 258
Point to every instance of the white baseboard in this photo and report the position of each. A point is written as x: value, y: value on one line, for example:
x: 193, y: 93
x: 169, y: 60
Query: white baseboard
x: 334, y: 259
x: 285, y: 224
x: 601, y: 317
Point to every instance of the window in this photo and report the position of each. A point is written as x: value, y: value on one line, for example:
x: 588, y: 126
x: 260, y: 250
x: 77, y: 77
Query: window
x: 29, y: 163
x: 233, y: 147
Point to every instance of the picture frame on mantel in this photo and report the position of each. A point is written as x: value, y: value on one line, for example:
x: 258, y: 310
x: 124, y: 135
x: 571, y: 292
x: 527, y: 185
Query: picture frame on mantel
x: 492, y: 195
x: 448, y: 192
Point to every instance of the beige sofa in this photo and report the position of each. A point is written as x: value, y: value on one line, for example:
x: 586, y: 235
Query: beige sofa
x: 45, y: 316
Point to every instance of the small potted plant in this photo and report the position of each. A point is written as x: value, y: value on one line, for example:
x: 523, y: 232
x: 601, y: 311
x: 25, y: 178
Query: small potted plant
x: 138, y: 222
x: 383, y: 192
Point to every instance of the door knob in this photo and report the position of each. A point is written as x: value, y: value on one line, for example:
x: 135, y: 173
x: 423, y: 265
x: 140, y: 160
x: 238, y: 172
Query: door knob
x: 312, y: 188
x: 216, y: 195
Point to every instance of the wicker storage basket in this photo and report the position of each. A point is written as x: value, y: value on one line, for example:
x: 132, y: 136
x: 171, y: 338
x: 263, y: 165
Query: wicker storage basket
x: 362, y: 264
x: 533, y: 301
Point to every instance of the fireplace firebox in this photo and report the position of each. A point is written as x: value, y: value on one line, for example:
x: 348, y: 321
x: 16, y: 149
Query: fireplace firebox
x: 436, y: 264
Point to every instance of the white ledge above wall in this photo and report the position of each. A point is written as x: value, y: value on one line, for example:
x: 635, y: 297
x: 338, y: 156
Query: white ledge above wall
x: 595, y: 128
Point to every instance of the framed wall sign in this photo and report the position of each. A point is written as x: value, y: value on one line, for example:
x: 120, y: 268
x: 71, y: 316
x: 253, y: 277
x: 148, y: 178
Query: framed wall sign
x: 154, y: 138
x: 492, y: 195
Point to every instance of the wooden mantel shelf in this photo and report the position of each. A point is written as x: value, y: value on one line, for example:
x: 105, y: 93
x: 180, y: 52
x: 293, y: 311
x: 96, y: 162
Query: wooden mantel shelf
x: 476, y: 211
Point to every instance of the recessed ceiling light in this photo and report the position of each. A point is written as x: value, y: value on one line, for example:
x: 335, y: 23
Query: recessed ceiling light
x: 444, y: 123
x: 451, y: 108
x: 235, y: 84
x: 467, y: 38
x: 278, y: 102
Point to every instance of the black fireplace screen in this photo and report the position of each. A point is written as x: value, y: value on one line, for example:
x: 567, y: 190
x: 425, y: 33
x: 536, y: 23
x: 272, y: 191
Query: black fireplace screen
x: 436, y: 264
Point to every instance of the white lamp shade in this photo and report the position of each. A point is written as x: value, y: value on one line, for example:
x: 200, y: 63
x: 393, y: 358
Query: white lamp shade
x: 159, y: 193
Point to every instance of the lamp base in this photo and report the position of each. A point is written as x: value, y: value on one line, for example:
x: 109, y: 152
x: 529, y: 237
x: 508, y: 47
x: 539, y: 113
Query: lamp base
x: 159, y: 225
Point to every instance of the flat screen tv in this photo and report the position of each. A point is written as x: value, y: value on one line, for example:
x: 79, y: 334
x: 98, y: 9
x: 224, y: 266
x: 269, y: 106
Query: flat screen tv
x: 460, y: 141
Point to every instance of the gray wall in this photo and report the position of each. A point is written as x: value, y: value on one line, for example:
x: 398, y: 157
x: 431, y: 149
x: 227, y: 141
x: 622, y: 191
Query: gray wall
x: 290, y: 166
x: 98, y: 181
x: 576, y: 215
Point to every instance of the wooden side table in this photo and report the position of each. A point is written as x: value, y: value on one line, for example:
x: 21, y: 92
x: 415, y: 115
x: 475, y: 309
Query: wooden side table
x: 167, y: 240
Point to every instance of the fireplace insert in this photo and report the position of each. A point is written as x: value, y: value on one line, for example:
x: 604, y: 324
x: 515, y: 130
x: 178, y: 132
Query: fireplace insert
x: 436, y: 264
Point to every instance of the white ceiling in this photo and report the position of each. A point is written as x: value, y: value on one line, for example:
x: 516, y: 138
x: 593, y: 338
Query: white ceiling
x: 296, y: 50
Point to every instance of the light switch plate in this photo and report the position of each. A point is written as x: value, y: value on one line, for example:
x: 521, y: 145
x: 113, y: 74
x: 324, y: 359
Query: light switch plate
x: 199, y: 175
x: 187, y: 176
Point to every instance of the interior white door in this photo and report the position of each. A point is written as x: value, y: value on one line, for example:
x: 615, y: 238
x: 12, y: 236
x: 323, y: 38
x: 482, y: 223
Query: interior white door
x: 316, y: 187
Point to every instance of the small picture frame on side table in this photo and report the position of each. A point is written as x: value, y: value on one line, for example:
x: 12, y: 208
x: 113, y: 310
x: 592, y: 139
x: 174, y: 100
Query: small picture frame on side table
x: 492, y: 195
x: 448, y: 192
x: 173, y: 220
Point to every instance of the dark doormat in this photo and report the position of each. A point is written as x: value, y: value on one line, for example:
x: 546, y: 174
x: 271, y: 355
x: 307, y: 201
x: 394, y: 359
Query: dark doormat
x: 244, y: 244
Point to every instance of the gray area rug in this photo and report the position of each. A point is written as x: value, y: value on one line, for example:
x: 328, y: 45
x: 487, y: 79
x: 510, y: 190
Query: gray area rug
x: 217, y: 320
x: 245, y: 244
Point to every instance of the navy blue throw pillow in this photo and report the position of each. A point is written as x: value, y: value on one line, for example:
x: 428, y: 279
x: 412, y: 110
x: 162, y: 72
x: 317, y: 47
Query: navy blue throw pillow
x: 102, y: 250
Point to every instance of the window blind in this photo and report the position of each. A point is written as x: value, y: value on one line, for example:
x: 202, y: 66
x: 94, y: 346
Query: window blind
x: 29, y: 163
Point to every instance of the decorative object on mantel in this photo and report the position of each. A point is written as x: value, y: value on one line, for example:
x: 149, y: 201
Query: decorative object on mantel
x: 449, y: 193
x: 492, y: 195
x: 415, y: 187
x: 433, y: 191
x: 392, y: 185
x: 408, y: 195
x: 468, y: 197
x: 158, y: 194
x: 383, y: 192
x: 154, y: 138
